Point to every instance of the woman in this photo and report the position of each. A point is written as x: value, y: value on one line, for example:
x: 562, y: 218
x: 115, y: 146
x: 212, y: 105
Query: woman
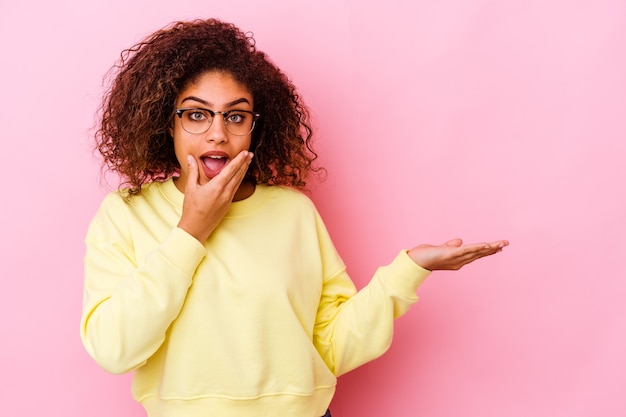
x: 210, y: 274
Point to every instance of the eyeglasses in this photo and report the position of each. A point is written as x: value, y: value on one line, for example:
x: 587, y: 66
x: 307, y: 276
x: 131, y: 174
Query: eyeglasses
x: 237, y: 122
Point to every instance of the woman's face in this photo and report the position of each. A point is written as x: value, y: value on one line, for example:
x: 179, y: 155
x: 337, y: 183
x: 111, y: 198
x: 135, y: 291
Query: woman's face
x: 214, y: 149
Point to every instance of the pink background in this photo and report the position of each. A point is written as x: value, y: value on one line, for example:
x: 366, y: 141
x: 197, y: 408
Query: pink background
x: 482, y: 119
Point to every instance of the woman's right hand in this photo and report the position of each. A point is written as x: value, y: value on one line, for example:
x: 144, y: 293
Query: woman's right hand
x: 205, y: 205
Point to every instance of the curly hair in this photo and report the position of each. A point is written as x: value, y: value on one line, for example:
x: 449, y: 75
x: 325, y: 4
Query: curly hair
x: 133, y: 134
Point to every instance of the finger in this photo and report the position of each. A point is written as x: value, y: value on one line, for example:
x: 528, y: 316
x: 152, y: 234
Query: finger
x: 470, y: 253
x: 485, y: 246
x: 493, y: 246
x: 245, y: 157
x: 483, y: 251
x: 233, y: 167
x: 471, y: 249
x: 228, y: 181
x: 498, y: 243
x: 236, y: 170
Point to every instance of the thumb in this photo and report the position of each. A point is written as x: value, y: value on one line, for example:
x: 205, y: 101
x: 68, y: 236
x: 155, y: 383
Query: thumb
x: 454, y: 243
x: 192, y: 180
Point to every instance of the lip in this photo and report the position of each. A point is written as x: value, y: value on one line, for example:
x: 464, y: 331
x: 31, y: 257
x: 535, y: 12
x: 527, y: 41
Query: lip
x: 209, y: 154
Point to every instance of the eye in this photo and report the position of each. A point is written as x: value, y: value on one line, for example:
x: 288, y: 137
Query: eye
x: 236, y: 117
x: 196, y: 115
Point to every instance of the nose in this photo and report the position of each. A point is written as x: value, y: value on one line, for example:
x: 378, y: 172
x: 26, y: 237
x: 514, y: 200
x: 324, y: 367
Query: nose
x: 217, y: 130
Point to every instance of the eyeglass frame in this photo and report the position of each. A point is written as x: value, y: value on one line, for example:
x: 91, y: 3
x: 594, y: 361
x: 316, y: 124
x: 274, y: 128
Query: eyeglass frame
x: 179, y: 113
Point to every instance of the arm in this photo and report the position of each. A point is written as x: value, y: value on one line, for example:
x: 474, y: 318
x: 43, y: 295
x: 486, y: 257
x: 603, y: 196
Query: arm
x: 355, y: 328
x: 129, y: 305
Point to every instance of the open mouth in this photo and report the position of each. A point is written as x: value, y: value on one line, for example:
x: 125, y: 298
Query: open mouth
x: 213, y: 164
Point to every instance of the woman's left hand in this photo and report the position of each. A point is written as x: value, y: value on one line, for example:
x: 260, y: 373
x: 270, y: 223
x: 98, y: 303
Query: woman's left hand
x: 453, y: 255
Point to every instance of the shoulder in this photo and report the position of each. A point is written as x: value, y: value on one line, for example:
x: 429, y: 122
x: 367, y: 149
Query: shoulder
x: 284, y: 192
x: 289, y: 196
x: 118, y: 205
x: 122, y: 199
x: 293, y: 206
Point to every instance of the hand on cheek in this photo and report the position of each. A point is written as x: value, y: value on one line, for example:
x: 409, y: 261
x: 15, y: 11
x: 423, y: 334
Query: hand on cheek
x: 206, y: 204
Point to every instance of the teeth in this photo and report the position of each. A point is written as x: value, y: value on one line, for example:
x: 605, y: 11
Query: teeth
x: 215, y: 157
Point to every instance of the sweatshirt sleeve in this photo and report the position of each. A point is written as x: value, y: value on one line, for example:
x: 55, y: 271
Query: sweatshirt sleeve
x: 129, y: 305
x: 353, y: 328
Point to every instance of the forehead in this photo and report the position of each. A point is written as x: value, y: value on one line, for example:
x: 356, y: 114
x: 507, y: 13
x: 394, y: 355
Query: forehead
x: 215, y: 87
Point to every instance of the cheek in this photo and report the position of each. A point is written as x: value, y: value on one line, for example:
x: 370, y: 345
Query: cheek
x: 250, y: 144
x: 180, y: 150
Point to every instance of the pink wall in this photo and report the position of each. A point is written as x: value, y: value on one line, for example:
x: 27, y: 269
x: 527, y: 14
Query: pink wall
x: 480, y: 119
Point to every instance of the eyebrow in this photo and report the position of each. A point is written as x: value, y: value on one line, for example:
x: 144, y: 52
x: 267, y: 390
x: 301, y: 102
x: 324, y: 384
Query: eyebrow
x: 206, y: 103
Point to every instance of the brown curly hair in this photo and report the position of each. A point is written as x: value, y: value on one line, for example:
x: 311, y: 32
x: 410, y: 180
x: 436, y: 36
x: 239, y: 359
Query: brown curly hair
x: 136, y: 112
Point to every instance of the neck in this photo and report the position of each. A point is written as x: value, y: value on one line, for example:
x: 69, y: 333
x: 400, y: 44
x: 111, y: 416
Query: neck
x: 245, y: 190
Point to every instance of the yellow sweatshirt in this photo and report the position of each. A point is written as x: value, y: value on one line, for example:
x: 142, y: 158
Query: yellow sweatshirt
x: 258, y: 321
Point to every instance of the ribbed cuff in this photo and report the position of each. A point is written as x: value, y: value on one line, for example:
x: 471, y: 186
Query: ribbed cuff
x: 183, y: 251
x: 403, y: 274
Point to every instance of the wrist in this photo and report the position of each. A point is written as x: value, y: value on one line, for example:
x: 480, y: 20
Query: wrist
x: 420, y: 260
x: 197, y: 234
